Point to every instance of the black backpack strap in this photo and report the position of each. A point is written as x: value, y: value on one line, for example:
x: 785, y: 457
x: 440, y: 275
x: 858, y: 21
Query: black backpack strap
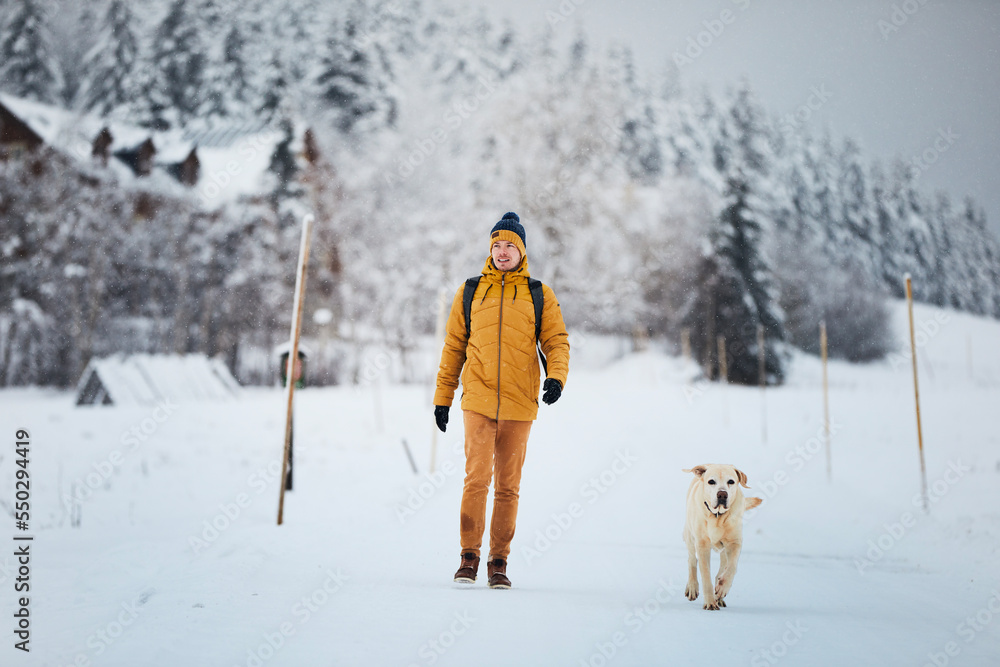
x: 535, y: 286
x: 538, y: 298
x: 470, y: 291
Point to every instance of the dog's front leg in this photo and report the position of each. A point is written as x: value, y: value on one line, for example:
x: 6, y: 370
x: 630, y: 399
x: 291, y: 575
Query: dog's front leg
x: 705, y: 564
x: 723, y: 564
x: 727, y: 571
x: 691, y: 592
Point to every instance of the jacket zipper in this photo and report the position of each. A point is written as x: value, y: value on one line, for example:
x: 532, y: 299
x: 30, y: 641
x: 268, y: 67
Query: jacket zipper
x: 503, y: 279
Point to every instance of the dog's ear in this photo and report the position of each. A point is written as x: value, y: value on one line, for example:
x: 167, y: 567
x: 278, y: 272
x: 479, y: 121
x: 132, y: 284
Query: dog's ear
x: 698, y: 470
x: 743, y: 478
x: 753, y: 502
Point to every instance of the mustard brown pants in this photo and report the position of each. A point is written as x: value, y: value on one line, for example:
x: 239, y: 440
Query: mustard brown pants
x: 492, y: 449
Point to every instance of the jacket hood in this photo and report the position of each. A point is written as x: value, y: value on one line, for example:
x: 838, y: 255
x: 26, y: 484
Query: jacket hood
x: 493, y: 274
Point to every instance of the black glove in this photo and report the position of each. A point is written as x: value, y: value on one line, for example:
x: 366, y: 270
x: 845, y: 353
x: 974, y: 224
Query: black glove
x: 553, y: 390
x: 441, y: 416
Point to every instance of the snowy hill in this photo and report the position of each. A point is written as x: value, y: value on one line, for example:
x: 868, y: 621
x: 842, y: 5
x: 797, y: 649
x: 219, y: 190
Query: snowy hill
x: 177, y: 559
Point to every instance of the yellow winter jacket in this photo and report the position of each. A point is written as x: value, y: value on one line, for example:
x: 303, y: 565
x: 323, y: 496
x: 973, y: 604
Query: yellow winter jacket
x: 501, y: 377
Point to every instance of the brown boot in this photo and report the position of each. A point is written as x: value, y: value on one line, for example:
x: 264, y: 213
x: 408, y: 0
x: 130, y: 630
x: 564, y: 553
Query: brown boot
x: 467, y: 570
x: 496, y: 568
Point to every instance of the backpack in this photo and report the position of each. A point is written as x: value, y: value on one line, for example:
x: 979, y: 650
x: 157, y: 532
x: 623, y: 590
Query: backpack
x: 534, y: 286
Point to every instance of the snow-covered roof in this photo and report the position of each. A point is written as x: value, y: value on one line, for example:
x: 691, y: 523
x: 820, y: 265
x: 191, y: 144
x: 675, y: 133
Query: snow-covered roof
x: 146, y: 379
x: 66, y: 131
x: 171, y: 149
x: 234, y: 157
x: 221, y: 135
x: 236, y: 170
x: 126, y: 136
x: 73, y: 133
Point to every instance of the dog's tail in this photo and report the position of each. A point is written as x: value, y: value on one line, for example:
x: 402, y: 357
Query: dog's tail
x: 753, y: 502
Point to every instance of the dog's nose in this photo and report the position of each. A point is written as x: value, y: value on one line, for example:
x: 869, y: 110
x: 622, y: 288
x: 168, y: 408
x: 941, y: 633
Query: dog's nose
x: 722, y: 493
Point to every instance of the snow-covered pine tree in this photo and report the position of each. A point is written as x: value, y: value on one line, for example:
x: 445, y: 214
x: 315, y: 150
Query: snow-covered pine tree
x: 275, y: 86
x: 733, y: 292
x: 352, y: 78
x: 236, y: 72
x: 856, y: 233
x: 981, y: 257
x: 74, y: 32
x: 943, y: 217
x: 917, y: 237
x: 227, y: 76
x: 175, y: 91
x: 685, y: 136
x: 639, y: 141
x: 889, y: 257
x: 28, y: 66
x: 109, y: 82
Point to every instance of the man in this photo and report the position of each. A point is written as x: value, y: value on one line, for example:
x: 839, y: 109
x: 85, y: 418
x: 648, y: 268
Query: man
x: 500, y: 389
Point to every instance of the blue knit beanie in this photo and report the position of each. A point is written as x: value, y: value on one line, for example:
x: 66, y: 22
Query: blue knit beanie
x: 509, y: 229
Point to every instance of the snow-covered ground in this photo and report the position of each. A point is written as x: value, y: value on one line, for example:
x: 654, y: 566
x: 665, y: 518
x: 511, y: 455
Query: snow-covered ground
x: 177, y: 559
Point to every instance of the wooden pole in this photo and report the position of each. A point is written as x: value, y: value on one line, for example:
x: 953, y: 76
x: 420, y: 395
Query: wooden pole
x: 762, y: 380
x: 686, y: 344
x: 761, y: 365
x: 826, y: 401
x: 723, y: 377
x: 916, y: 394
x: 409, y: 455
x: 723, y: 362
x: 296, y: 330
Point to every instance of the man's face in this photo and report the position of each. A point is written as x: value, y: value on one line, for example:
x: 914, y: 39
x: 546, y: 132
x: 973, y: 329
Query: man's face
x: 506, y: 256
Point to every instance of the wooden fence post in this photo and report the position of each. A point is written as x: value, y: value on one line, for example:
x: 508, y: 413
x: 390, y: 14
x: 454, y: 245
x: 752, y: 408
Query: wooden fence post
x: 916, y: 394
x: 293, y: 355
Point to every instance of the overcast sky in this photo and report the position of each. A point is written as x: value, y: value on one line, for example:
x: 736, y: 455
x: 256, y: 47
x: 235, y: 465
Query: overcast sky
x: 894, y: 91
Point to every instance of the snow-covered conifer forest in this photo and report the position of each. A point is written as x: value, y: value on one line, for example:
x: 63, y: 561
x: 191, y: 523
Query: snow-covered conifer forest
x: 651, y: 206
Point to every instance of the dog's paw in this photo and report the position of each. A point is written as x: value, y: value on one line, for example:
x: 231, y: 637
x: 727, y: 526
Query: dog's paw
x: 720, y: 587
x: 722, y: 602
x: 711, y: 606
x: 691, y: 592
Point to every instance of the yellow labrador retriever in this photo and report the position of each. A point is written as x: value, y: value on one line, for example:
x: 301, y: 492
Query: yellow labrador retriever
x: 715, y: 506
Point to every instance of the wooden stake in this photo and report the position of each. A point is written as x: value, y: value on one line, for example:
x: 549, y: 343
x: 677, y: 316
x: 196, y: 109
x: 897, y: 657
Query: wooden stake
x: 916, y: 394
x: 826, y: 401
x: 761, y: 366
x: 762, y: 380
x: 409, y: 455
x: 723, y: 362
x: 686, y: 344
x: 296, y: 330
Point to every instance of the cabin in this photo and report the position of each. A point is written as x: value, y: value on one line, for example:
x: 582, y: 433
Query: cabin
x: 26, y: 125
x: 16, y: 136
x: 138, y: 158
x: 220, y: 163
